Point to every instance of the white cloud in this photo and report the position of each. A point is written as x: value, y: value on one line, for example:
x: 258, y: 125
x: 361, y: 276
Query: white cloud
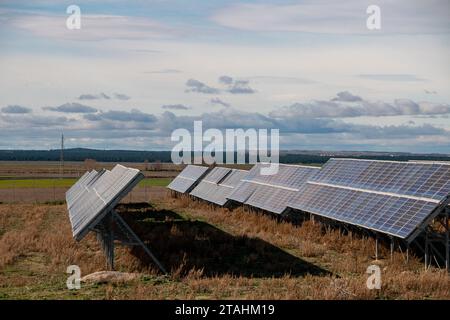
x: 72, y: 108
x: 175, y: 107
x: 348, y: 105
x: 392, y: 77
x: 93, y: 27
x: 337, y: 17
x: 16, y: 109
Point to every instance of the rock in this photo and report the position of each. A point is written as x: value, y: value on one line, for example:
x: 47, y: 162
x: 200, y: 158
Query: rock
x: 110, y: 276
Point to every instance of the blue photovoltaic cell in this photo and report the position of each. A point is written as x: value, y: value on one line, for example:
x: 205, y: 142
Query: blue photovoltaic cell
x: 429, y: 180
x: 188, y: 178
x: 390, y: 197
x: 272, y: 192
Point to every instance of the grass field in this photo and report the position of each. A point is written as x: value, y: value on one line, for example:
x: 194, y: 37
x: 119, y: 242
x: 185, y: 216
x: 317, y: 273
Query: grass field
x: 211, y: 253
x: 67, y: 182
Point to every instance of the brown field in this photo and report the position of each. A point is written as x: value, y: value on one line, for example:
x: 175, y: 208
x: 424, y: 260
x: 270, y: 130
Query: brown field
x: 75, y: 169
x: 211, y: 253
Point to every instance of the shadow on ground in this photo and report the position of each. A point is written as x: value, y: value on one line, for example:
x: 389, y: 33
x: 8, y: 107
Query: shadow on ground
x: 196, y: 244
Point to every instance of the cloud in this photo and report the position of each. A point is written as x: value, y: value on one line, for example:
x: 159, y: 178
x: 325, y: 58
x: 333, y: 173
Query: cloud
x: 278, y: 79
x: 121, y: 96
x: 231, y: 86
x: 240, y: 87
x: 392, y: 77
x: 16, y: 109
x: 349, y: 105
x: 226, y: 80
x: 72, y: 108
x: 220, y: 102
x: 94, y: 27
x: 135, y: 129
x: 26, y: 121
x: 133, y: 116
x: 197, y: 86
x: 236, y: 86
x: 175, y: 107
x: 89, y: 96
x: 346, y: 96
x: 332, y: 17
x: 163, y: 71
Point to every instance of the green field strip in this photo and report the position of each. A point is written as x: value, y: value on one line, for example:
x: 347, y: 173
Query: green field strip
x: 65, y: 183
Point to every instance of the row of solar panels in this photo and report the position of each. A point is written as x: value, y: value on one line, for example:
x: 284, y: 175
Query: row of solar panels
x: 95, y: 194
x: 395, y: 198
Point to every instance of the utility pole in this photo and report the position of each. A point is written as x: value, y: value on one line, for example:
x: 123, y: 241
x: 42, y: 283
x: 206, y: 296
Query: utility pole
x: 61, y: 158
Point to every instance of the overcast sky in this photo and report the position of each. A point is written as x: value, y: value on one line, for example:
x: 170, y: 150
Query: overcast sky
x: 137, y: 70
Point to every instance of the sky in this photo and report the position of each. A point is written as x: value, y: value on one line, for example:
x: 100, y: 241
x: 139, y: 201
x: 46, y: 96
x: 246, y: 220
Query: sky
x: 137, y: 70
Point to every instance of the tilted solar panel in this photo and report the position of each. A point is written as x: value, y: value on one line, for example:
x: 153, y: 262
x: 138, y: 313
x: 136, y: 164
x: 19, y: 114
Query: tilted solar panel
x: 188, y: 178
x: 394, y: 198
x: 233, y: 179
x: 217, y: 174
x: 272, y: 192
x: 242, y: 191
x: 218, y: 184
x: 98, y: 196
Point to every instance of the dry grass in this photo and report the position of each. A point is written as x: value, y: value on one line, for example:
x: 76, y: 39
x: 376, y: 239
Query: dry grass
x: 212, y: 253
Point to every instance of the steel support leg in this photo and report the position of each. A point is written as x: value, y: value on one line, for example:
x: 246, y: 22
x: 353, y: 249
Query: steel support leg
x: 376, y: 247
x: 122, y: 222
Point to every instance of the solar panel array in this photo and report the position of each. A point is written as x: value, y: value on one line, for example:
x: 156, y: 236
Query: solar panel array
x: 97, y: 193
x: 272, y: 192
x: 188, y: 178
x: 218, y: 184
x: 391, y: 197
x: 394, y: 198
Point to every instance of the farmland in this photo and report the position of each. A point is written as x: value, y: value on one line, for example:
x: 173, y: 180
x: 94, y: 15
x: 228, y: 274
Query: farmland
x: 211, y: 253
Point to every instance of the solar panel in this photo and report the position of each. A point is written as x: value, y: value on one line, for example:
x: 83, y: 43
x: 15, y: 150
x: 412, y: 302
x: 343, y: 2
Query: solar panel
x: 218, y: 185
x: 78, y: 187
x: 91, y: 202
x: 419, y: 179
x: 272, y: 192
x: 96, y: 195
x: 188, y: 178
x: 394, y: 198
